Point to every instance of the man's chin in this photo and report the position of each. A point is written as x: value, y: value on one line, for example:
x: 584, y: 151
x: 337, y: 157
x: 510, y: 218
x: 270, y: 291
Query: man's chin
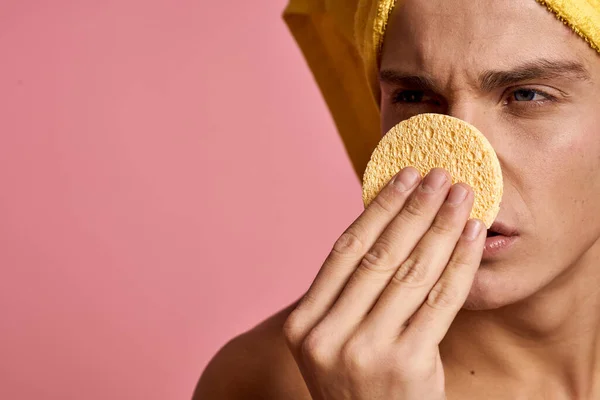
x: 490, y: 291
x: 481, y: 305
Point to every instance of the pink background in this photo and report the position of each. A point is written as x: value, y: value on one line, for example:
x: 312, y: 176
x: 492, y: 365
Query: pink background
x: 169, y: 177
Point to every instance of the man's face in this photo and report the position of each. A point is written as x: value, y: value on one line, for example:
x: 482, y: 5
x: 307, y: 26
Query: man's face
x: 531, y: 86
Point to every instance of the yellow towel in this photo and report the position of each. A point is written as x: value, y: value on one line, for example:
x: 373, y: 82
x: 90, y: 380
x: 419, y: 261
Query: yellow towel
x: 341, y: 41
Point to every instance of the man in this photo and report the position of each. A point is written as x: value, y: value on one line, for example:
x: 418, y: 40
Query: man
x: 411, y: 303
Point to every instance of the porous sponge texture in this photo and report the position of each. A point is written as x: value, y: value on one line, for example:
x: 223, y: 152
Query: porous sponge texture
x: 427, y: 141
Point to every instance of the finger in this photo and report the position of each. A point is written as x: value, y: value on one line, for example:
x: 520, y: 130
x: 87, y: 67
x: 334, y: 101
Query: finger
x: 432, y: 321
x: 348, y: 251
x: 392, y: 248
x: 416, y: 276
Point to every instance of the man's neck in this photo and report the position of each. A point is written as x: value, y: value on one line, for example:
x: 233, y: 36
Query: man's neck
x: 549, y: 342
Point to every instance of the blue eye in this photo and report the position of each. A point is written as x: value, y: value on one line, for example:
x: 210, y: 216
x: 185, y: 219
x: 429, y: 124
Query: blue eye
x: 527, y: 95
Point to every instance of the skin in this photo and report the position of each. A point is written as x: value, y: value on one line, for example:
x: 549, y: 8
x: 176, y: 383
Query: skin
x: 530, y: 321
x: 529, y: 326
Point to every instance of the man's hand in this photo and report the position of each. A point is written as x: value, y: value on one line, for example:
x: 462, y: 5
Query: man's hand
x: 370, y: 325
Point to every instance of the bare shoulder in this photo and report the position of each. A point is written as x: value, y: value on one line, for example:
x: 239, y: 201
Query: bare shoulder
x: 254, y: 365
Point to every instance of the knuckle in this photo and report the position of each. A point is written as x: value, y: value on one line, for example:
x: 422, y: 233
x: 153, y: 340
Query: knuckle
x: 413, y: 209
x: 412, y: 272
x: 293, y: 329
x: 384, y: 202
x: 456, y: 264
x: 405, y: 356
x: 442, y: 226
x: 377, y: 258
x: 356, y: 356
x: 349, y: 243
x: 442, y: 296
x: 411, y: 359
x: 314, y: 349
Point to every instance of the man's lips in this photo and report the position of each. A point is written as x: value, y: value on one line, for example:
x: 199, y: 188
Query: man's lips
x: 500, y: 238
x: 500, y: 228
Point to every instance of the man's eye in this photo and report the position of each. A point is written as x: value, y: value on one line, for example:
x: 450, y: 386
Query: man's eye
x: 528, y: 95
x: 409, y: 96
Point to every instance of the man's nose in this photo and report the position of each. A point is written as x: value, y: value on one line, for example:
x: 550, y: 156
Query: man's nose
x: 482, y: 118
x: 477, y: 115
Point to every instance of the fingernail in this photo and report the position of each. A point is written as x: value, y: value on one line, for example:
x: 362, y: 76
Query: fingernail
x: 434, y: 180
x: 407, y: 178
x: 457, y: 195
x: 473, y: 229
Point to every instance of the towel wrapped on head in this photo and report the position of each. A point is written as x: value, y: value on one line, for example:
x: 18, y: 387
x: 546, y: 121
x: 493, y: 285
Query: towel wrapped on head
x: 342, y: 40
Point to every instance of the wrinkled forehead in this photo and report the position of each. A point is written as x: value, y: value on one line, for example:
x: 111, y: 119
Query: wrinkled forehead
x: 479, y: 33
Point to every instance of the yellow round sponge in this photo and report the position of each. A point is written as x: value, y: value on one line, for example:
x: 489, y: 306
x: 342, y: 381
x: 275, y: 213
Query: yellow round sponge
x: 427, y: 141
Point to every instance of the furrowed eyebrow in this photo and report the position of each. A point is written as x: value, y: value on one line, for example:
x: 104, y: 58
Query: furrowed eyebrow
x: 537, y: 69
x: 494, y: 79
x: 416, y: 82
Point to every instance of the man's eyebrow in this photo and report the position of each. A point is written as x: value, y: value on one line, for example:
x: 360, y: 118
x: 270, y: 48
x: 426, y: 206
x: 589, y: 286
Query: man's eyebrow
x: 397, y: 78
x: 537, y: 69
x: 490, y: 80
